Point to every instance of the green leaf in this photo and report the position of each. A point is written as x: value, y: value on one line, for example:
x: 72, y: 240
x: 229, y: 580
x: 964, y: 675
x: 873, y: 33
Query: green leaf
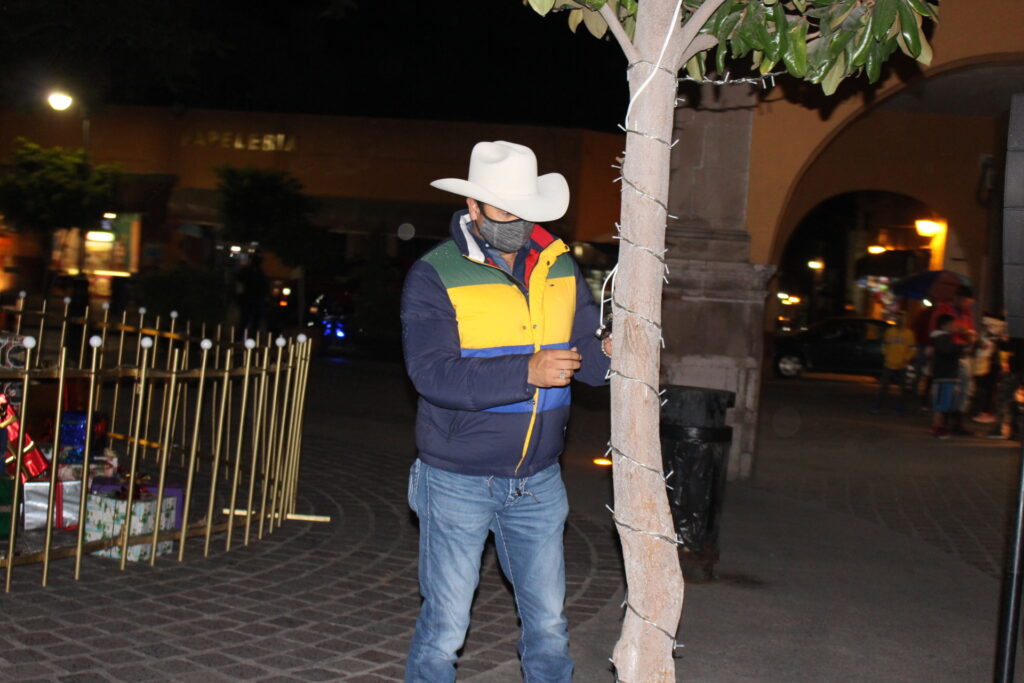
x: 910, y: 32
x: 762, y: 39
x: 884, y: 18
x: 728, y: 26
x: 542, y: 7
x: 721, y: 50
x: 595, y: 23
x: 795, y: 55
x: 801, y: 5
x: 575, y: 18
x: 926, y: 50
x: 694, y: 70
x: 629, y: 25
x: 781, y: 27
x: 859, y: 53
x: 921, y: 7
x: 873, y: 65
x: 835, y: 75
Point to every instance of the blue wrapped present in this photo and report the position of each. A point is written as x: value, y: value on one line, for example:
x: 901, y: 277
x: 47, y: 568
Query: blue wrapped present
x: 72, y: 429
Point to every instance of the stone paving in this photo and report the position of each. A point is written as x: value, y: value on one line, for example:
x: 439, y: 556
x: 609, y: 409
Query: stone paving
x: 311, y: 601
x: 338, y: 601
x: 819, y: 444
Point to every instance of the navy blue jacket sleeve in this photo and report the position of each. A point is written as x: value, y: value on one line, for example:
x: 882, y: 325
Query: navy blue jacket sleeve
x: 594, y: 366
x: 430, y: 339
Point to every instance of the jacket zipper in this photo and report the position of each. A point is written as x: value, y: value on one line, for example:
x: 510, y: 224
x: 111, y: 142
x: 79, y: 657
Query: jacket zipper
x: 536, y: 346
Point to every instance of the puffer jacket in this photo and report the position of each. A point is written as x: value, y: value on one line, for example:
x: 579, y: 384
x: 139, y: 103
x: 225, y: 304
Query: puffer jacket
x: 468, y: 332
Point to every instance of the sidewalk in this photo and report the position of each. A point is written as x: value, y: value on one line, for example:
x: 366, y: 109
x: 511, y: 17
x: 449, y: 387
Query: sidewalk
x: 862, y: 550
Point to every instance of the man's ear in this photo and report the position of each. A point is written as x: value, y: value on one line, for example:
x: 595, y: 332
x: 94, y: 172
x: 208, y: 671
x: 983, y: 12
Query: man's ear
x: 474, y: 208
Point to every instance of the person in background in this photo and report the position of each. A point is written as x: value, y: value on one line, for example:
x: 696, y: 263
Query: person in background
x: 987, y: 368
x: 962, y: 328
x: 946, y: 385
x: 922, y: 362
x: 899, y: 348
x: 1009, y: 398
x: 252, y: 288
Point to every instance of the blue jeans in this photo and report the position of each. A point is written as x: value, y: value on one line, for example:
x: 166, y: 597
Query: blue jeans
x: 527, y: 516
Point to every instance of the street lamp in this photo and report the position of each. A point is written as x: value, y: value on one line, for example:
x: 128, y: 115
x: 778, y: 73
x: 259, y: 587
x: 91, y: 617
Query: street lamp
x: 61, y: 101
x: 816, y: 264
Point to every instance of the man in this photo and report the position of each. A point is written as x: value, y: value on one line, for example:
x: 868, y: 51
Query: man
x: 496, y: 323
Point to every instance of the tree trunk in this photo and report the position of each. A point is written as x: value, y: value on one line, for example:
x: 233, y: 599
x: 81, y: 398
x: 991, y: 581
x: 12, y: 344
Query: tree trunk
x: 643, y: 653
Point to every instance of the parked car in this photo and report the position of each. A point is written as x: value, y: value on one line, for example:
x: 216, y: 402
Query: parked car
x: 846, y: 345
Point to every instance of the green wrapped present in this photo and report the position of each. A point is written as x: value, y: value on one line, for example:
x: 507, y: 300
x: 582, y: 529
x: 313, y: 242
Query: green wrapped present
x: 104, y: 517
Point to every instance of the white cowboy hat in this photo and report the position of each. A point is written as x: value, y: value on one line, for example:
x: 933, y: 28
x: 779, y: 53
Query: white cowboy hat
x: 504, y: 175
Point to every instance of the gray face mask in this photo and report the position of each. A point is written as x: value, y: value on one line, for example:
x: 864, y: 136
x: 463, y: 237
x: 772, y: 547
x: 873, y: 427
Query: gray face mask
x: 508, y: 237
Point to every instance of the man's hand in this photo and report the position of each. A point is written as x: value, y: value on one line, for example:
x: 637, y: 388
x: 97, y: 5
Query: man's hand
x: 553, y: 367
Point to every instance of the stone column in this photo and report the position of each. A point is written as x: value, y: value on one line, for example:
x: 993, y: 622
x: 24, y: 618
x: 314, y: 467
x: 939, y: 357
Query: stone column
x: 714, y: 301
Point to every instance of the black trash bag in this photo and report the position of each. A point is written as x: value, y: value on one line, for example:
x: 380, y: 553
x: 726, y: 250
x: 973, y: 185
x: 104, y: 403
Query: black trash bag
x: 695, y: 450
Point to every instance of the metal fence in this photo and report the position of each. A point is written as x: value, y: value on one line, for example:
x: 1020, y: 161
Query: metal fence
x: 224, y: 416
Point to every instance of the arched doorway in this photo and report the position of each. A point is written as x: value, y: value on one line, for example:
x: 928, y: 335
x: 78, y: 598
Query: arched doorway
x: 845, y: 253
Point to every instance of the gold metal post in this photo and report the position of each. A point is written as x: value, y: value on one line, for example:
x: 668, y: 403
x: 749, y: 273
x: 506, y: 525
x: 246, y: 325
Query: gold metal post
x: 295, y: 431
x: 249, y: 344
x: 21, y: 312
x: 96, y: 343
x: 19, y: 457
x: 218, y: 440
x: 126, y: 529
x: 270, y: 459
x: 260, y: 408
x: 117, y: 382
x: 64, y: 323
x: 277, y: 494
x: 205, y: 345
x: 164, y: 454
x: 54, y: 482
x: 42, y: 331
x: 85, y: 333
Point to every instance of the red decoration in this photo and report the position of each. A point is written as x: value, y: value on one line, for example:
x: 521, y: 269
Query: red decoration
x: 34, y: 462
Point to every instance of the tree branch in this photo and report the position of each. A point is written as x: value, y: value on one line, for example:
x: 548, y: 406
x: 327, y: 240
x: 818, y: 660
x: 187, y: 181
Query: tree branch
x: 615, y: 26
x: 682, y: 41
x: 704, y: 41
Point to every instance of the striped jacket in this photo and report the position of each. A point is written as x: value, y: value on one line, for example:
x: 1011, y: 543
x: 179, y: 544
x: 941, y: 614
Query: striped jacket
x: 469, y: 330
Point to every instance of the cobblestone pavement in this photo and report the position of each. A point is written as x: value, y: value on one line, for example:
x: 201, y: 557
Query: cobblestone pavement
x: 819, y: 444
x: 312, y: 601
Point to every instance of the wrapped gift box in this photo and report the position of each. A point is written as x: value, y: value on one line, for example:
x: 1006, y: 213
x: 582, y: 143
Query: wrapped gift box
x: 6, y: 500
x: 72, y: 429
x: 171, y: 490
x: 65, y: 507
x: 105, y: 515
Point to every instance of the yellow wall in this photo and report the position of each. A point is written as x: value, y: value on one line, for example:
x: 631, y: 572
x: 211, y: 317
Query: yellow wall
x: 788, y: 138
x: 380, y: 159
x: 932, y: 158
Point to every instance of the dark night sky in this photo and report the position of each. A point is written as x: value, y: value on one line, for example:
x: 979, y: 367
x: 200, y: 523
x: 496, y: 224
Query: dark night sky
x: 494, y: 60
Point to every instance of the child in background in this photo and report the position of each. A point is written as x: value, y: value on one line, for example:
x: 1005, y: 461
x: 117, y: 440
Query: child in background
x: 899, y: 347
x: 946, y: 388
